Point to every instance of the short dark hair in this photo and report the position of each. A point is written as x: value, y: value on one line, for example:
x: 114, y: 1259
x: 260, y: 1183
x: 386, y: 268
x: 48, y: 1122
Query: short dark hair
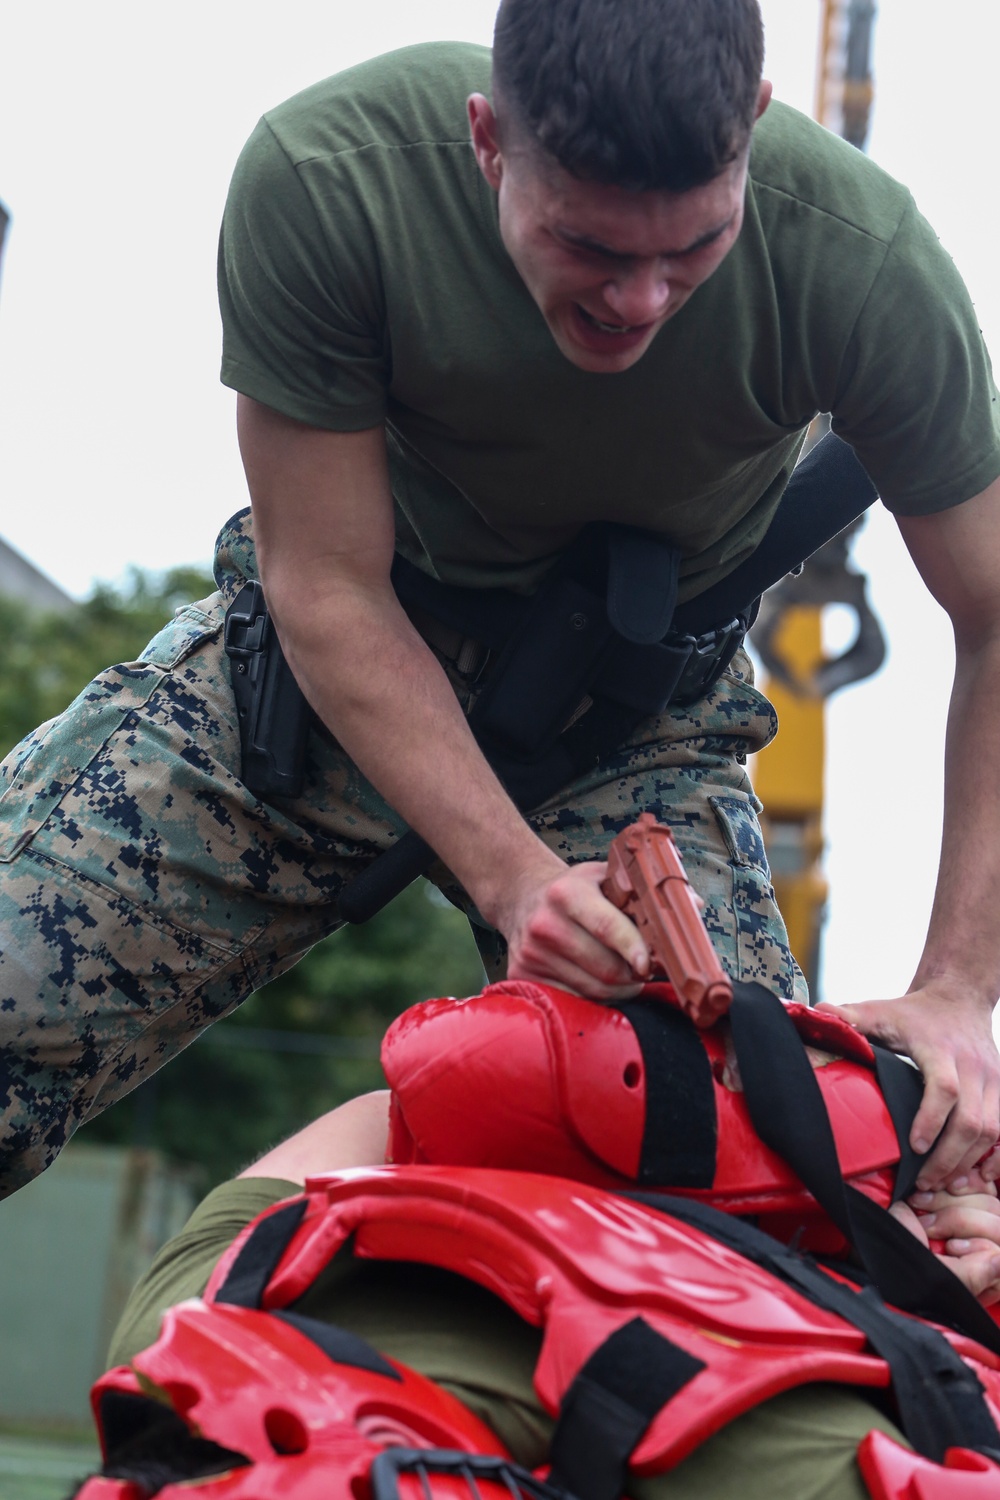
x: 644, y: 94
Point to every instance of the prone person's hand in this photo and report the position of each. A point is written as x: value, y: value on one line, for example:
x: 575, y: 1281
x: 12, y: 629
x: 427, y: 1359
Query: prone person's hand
x: 950, y: 1038
x: 965, y: 1217
x: 561, y: 930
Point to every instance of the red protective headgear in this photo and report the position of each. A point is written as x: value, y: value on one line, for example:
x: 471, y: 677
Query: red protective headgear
x: 308, y: 1425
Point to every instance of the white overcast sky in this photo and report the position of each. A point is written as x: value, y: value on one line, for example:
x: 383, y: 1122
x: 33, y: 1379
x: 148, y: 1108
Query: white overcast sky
x: 119, y: 126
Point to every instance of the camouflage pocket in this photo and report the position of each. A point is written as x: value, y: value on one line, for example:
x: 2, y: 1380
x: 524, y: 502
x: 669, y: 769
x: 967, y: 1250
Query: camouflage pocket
x: 40, y: 771
x: 762, y: 951
x: 48, y: 763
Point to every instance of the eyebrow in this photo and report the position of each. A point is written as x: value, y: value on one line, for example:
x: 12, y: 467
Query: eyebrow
x: 585, y: 242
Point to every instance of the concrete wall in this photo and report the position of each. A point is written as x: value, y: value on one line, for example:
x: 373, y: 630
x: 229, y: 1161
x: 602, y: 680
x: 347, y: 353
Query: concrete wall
x: 72, y: 1244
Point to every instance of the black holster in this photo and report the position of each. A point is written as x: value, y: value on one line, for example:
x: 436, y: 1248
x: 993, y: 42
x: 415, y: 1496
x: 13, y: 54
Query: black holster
x: 274, y: 717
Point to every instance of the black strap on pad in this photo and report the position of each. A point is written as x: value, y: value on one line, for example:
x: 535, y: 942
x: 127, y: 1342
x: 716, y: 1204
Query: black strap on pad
x: 338, y: 1344
x: 826, y: 492
x: 902, y: 1088
x: 610, y: 1404
x: 789, y: 1114
x: 681, y: 1127
x: 940, y: 1399
x: 259, y: 1255
x: 253, y: 1268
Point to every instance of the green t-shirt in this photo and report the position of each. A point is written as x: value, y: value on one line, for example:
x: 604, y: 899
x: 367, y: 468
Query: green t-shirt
x: 363, y: 279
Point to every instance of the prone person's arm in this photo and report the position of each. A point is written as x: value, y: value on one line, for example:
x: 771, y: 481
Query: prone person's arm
x: 324, y: 529
x: 944, y: 1020
x: 355, y: 1134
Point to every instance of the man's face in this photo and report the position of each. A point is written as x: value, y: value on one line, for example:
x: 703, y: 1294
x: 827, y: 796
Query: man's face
x: 607, y: 267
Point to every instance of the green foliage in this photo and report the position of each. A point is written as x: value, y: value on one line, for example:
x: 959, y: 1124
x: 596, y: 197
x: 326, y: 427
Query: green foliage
x: 241, y: 1087
x: 48, y: 658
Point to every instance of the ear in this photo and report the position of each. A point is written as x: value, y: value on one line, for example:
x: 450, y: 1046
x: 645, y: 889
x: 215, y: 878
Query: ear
x: 485, y: 139
x: 763, y: 97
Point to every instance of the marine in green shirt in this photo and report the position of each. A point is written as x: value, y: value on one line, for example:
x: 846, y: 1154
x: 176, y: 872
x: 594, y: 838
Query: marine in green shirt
x: 624, y: 302
x: 365, y: 281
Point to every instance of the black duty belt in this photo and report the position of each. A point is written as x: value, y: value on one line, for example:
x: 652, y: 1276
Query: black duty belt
x: 575, y: 667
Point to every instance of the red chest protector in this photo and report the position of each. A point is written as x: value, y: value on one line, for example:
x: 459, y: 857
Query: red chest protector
x: 680, y: 1330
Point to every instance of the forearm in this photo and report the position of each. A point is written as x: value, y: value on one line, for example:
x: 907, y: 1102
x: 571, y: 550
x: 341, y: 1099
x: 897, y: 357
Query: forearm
x: 963, y: 941
x: 944, y: 1021
x: 355, y: 1134
x: 379, y: 689
x: 325, y: 535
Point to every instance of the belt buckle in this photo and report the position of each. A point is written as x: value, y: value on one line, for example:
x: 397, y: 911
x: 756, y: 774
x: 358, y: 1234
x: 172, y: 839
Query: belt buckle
x: 710, y: 655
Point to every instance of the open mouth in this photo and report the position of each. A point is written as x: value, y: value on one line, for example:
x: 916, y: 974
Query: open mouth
x: 608, y: 327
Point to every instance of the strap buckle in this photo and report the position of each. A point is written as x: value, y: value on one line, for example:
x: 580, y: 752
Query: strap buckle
x: 514, y: 1482
x: 710, y: 655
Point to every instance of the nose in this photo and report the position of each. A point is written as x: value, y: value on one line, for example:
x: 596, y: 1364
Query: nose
x: 639, y: 294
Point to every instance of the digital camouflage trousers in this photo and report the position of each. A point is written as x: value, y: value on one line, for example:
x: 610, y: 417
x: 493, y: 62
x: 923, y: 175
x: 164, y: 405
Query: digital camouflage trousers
x: 144, y: 892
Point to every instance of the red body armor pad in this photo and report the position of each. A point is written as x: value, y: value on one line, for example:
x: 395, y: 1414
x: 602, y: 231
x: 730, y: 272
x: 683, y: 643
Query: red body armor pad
x: 894, y: 1473
x: 564, y: 1086
x: 579, y: 1263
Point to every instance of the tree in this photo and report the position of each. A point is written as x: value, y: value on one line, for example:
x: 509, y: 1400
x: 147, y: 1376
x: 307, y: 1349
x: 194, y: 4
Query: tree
x: 48, y: 658
x: 303, y: 1043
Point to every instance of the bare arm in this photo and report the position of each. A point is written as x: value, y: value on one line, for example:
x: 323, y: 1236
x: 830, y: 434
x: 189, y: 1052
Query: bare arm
x: 324, y: 529
x: 354, y: 1134
x: 944, y: 1020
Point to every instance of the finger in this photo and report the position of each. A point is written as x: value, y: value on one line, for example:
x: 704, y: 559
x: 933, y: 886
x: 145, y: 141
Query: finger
x: 963, y: 1141
x: 549, y: 966
x: 960, y: 1092
x: 968, y: 1184
x: 557, y: 952
x: 979, y: 1272
x: 959, y: 1247
x: 962, y: 1223
x: 989, y: 1167
x: 578, y: 896
x: 940, y: 1115
x: 935, y: 1203
x: 991, y: 1132
x: 909, y: 1220
x: 556, y: 943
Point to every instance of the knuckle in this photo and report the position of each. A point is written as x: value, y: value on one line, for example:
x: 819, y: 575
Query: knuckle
x: 946, y: 1089
x: 967, y: 1123
x: 541, y: 929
